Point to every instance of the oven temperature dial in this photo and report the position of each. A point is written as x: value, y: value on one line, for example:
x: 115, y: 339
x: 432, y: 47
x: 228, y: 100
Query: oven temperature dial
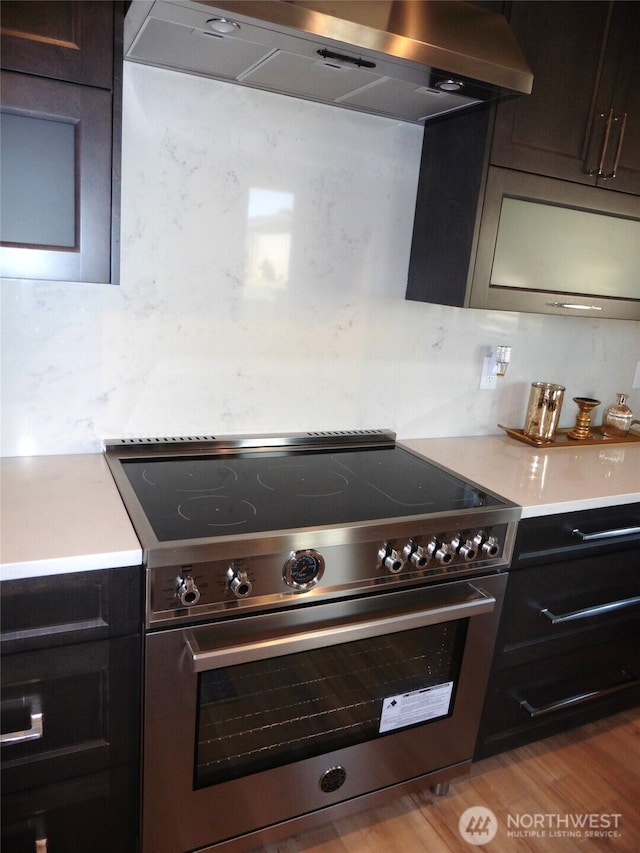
x: 303, y: 569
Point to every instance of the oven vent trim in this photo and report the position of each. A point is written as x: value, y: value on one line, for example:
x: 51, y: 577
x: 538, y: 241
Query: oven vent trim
x: 324, y: 438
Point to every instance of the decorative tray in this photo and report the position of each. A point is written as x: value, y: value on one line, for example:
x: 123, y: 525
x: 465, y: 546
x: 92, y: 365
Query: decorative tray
x: 562, y: 439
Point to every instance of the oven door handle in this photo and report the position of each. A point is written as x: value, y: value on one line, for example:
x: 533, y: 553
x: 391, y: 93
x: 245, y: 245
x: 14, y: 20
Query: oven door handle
x: 474, y: 602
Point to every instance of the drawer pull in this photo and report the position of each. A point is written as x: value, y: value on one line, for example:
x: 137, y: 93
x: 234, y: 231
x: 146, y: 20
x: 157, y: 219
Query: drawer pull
x: 597, y: 610
x: 579, y: 698
x: 605, y: 534
x: 34, y: 733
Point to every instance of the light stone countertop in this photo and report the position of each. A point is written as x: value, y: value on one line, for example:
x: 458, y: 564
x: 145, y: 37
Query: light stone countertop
x: 542, y: 481
x: 64, y: 514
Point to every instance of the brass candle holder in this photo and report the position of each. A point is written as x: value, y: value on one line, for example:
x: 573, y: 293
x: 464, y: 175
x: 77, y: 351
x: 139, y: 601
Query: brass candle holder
x: 583, y: 419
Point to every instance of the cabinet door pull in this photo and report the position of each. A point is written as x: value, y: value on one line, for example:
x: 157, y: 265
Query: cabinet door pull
x: 34, y: 733
x: 579, y: 698
x: 605, y: 141
x: 597, y: 610
x: 605, y: 534
x: 623, y: 127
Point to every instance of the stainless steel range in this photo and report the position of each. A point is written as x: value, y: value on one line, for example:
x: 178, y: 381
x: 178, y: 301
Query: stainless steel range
x: 321, y: 613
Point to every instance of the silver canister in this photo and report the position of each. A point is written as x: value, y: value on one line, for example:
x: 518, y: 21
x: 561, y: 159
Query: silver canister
x: 543, y: 411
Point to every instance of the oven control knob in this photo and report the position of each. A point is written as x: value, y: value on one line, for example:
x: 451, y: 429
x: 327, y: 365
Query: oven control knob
x: 415, y: 554
x: 390, y: 559
x: 187, y: 591
x: 440, y: 551
x: 238, y: 582
x: 488, y: 545
x: 303, y: 569
x: 464, y: 547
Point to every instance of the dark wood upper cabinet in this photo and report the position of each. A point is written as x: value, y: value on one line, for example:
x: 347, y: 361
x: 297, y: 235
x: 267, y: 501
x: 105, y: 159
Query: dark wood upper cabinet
x: 56, y: 208
x: 582, y: 121
x: 70, y: 41
x: 452, y: 173
x: 61, y: 104
x: 561, y: 150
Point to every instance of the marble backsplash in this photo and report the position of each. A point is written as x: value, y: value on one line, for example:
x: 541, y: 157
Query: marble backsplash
x: 265, y: 245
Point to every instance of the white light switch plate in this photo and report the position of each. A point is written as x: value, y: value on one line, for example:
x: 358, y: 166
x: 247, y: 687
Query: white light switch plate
x: 636, y: 376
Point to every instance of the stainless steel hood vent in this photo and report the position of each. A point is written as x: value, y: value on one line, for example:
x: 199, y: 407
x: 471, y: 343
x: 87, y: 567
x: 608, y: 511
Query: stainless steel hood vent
x: 411, y: 60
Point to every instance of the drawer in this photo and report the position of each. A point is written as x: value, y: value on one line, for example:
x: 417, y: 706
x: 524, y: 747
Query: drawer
x: 70, y: 608
x: 558, y: 607
x: 68, y: 711
x: 541, y: 698
x: 606, y: 532
x: 97, y: 813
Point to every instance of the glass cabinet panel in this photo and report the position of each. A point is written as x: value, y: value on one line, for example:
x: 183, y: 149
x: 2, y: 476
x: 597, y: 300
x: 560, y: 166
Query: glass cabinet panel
x: 553, y: 247
x: 57, y: 200
x: 546, y: 247
x: 38, y: 181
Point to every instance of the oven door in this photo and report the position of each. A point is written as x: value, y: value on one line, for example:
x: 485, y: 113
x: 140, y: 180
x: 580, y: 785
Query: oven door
x: 261, y: 719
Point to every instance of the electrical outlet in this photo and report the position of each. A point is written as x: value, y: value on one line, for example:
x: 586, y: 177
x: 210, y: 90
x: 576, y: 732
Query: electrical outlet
x: 636, y: 376
x: 488, y: 377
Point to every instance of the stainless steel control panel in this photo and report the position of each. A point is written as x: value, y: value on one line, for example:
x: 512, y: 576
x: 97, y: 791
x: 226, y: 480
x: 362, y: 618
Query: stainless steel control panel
x: 202, y: 589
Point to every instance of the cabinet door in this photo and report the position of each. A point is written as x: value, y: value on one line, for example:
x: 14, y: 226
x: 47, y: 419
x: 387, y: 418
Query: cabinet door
x: 554, y: 694
x: 56, y: 209
x: 566, y: 605
x: 582, y: 120
x: 61, y: 140
x: 618, y: 104
x: 69, y: 711
x: 60, y: 610
x: 96, y: 813
x: 556, y: 247
x: 70, y: 41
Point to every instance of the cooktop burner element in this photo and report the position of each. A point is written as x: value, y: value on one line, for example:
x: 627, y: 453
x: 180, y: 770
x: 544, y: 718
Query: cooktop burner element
x: 212, y: 510
x: 302, y: 481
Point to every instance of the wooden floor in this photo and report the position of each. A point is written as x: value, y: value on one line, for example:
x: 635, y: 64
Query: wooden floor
x: 590, y: 773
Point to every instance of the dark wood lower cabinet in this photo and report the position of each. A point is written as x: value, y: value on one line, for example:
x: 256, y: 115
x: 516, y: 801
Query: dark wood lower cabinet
x: 567, y: 650
x: 71, y: 698
x: 84, y: 694
x: 548, y: 696
x: 89, y: 814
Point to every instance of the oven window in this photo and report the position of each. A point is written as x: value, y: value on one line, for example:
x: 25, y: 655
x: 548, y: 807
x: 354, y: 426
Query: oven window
x: 260, y: 715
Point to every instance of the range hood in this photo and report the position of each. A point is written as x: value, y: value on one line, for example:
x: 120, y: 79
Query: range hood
x: 411, y: 60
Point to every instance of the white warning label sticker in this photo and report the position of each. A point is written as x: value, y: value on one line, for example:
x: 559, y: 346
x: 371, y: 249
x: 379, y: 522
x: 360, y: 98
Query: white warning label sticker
x: 407, y: 709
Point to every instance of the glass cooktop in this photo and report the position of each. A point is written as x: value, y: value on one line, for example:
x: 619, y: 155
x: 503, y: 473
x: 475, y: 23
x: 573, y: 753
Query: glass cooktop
x: 218, y: 495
